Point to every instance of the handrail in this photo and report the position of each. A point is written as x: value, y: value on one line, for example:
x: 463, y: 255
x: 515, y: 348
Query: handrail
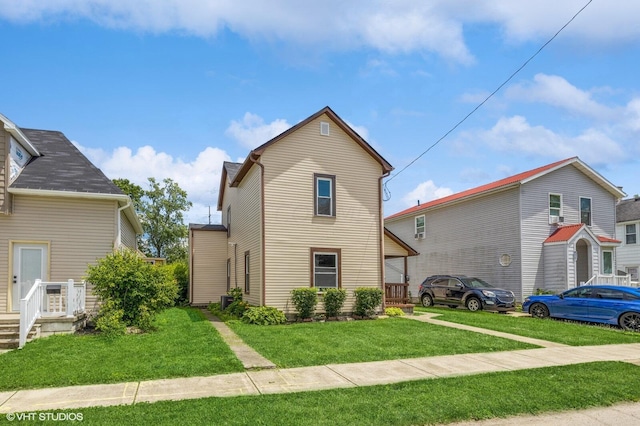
x: 621, y: 280
x: 30, y: 310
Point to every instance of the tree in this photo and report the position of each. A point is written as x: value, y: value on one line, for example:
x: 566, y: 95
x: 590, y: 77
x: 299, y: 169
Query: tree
x: 135, y: 192
x: 161, y: 214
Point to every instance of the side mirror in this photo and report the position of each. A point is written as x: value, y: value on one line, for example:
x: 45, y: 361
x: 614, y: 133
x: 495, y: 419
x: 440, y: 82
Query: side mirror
x: 561, y: 295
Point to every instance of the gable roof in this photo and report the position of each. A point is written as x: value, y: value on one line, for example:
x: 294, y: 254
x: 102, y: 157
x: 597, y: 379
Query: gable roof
x: 410, y: 250
x: 61, y: 167
x: 628, y: 210
x: 565, y: 233
x: 510, y: 182
x: 255, y: 154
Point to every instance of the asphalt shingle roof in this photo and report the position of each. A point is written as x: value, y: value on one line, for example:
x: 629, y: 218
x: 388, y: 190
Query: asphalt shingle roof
x: 62, y: 167
x: 232, y: 169
x: 628, y: 210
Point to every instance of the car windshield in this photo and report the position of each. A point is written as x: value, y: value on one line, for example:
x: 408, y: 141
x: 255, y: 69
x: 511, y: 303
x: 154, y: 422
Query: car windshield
x: 476, y: 283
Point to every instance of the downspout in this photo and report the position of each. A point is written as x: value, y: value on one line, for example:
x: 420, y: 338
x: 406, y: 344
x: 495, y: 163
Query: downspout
x: 118, y: 240
x: 381, y: 233
x: 263, y: 297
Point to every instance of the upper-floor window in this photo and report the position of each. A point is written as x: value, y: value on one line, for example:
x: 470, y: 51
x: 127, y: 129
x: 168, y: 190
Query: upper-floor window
x: 585, y: 210
x: 419, y: 226
x: 324, y: 195
x: 555, y: 207
x: 228, y: 221
x: 326, y: 268
x: 630, y: 234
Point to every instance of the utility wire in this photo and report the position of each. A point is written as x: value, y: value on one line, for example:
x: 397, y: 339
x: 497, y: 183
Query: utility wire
x: 388, y: 194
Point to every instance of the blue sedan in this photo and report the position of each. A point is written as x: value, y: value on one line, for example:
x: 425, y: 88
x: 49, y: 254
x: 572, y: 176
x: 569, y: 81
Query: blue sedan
x: 605, y: 304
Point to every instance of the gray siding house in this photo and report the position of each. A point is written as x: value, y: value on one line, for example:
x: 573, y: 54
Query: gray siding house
x: 552, y: 227
x: 627, y: 229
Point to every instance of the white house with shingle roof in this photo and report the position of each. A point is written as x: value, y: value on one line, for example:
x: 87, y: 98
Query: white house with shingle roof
x: 628, y: 230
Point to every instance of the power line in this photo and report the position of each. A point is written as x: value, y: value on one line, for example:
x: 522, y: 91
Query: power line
x: 484, y: 101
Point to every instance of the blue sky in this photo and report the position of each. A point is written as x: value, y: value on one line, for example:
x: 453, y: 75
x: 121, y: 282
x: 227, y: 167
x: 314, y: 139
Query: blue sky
x: 172, y: 88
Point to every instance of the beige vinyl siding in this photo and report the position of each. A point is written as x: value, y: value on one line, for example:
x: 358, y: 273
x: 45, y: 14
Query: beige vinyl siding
x: 246, y: 233
x: 291, y: 229
x: 208, y: 266
x: 4, y: 169
x: 79, y: 231
x: 127, y: 233
x: 391, y: 248
x: 572, y: 184
x: 466, y: 238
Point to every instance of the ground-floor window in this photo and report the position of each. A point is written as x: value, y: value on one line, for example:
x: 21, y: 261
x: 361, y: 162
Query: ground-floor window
x: 247, y: 277
x: 325, y: 268
x: 607, y: 262
x: 633, y: 272
x: 228, y: 274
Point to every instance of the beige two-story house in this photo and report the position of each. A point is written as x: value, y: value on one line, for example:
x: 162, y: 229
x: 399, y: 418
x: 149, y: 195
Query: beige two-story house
x: 303, y: 210
x: 58, y: 213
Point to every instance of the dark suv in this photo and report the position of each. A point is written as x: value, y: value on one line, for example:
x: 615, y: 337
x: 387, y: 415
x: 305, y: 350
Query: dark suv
x: 460, y: 290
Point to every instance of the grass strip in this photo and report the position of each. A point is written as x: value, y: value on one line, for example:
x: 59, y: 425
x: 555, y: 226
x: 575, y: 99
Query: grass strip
x: 184, y: 344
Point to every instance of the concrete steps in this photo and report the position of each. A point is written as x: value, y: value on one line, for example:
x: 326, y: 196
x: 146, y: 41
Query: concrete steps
x: 10, y: 334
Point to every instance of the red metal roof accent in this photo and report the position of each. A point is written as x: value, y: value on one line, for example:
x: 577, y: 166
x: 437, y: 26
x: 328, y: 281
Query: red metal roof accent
x: 564, y: 233
x: 516, y: 179
x: 609, y: 240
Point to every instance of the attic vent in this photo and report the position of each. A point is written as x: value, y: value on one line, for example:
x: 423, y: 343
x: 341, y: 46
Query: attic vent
x: 324, y: 128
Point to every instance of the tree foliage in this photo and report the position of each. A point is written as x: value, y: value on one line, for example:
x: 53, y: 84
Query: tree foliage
x: 135, y: 192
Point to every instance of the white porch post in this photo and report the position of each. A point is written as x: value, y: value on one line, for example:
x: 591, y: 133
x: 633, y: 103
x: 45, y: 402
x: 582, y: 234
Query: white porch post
x: 71, y: 298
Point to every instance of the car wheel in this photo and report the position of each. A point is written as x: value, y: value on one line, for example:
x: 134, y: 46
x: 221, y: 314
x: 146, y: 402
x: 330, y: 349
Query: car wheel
x: 630, y: 321
x: 473, y: 304
x: 427, y: 300
x: 539, y: 310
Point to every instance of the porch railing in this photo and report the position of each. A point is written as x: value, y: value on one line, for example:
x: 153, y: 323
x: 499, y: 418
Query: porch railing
x: 623, y: 280
x: 396, y: 293
x: 50, y: 299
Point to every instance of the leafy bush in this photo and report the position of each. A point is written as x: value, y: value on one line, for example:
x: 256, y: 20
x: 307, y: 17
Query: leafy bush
x: 237, y: 308
x: 125, y: 282
x: 305, y: 300
x: 180, y: 273
x: 367, y: 300
x: 393, y: 312
x: 540, y: 291
x: 109, y: 320
x: 236, y: 293
x: 264, y: 315
x: 333, y: 301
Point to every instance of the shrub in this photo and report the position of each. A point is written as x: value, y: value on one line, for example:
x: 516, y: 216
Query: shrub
x: 393, y: 312
x: 237, y: 308
x: 236, y: 293
x: 264, y: 315
x: 109, y: 320
x: 367, y: 300
x: 333, y: 301
x: 125, y: 282
x: 540, y: 291
x: 180, y: 272
x: 305, y: 300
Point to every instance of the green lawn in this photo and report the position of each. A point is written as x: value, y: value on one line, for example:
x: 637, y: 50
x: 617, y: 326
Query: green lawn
x: 432, y: 401
x: 185, y: 344
x: 569, y: 333
x: 305, y: 344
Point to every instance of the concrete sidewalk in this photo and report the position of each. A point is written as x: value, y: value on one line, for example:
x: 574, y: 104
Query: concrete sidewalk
x: 309, y: 378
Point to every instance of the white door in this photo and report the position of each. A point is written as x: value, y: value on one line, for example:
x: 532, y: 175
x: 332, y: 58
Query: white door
x: 29, y: 264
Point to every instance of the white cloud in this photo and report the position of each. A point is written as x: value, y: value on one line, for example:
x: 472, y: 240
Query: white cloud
x: 200, y: 178
x: 515, y: 135
x: 252, y: 131
x: 557, y: 91
x: 424, y: 192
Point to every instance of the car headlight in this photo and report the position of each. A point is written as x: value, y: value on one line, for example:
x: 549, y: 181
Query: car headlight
x: 527, y: 299
x: 488, y: 293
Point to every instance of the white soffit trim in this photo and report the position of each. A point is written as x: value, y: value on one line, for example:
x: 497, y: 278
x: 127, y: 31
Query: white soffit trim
x: 69, y: 194
x: 10, y: 127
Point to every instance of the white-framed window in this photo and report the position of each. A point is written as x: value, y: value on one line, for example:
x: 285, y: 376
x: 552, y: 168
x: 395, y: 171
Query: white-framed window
x: 228, y: 274
x: 555, y: 208
x: 633, y: 272
x: 585, y: 210
x: 324, y: 193
x: 324, y: 128
x: 419, y: 227
x: 247, y: 275
x: 325, y: 268
x: 607, y: 262
x: 631, y: 234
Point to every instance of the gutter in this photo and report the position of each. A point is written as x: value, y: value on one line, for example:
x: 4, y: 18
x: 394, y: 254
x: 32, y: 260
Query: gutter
x: 263, y: 295
x: 381, y: 233
x: 118, y: 240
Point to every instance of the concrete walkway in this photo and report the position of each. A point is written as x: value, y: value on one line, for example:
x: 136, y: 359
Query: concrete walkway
x: 269, y: 381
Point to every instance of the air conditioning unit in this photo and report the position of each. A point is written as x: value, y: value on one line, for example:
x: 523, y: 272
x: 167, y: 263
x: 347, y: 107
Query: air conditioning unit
x: 419, y: 235
x: 555, y: 219
x: 560, y: 219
